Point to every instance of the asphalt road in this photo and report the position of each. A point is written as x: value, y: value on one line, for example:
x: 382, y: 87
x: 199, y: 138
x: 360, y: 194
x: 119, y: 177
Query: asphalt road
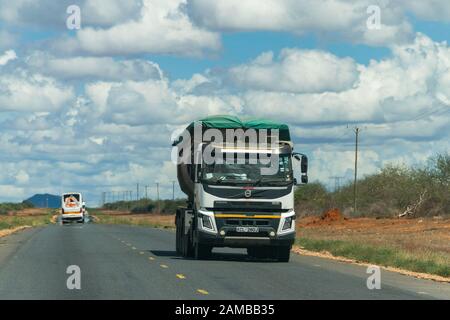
x: 124, y: 262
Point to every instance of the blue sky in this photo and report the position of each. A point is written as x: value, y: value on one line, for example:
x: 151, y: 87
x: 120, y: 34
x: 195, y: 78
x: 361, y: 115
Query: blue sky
x: 94, y: 109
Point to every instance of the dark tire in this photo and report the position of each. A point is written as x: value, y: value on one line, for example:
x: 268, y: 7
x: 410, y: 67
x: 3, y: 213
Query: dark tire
x: 283, y: 253
x: 202, y: 251
x: 178, y: 234
x: 186, y: 245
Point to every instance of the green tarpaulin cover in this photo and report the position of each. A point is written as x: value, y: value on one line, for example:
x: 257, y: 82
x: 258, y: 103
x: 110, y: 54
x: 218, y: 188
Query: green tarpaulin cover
x: 231, y: 122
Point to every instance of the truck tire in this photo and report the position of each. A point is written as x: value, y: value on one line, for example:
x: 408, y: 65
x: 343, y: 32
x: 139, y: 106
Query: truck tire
x: 283, y: 253
x: 188, y: 247
x: 178, y: 233
x: 202, y: 251
x: 184, y: 240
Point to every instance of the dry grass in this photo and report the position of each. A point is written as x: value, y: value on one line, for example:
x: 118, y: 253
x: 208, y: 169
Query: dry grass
x: 24, y: 218
x: 425, y: 235
x: 123, y: 217
x: 421, y: 245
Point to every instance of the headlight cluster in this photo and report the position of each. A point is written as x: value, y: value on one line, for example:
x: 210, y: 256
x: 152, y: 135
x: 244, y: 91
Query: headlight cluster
x: 207, y: 223
x: 287, y: 223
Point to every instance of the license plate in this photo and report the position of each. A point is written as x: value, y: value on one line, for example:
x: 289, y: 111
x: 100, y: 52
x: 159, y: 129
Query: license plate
x: 247, y: 229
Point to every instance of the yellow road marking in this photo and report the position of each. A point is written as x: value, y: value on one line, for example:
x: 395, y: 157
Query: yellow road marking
x: 164, y: 266
x: 142, y: 252
x: 181, y: 276
x: 134, y: 248
x: 151, y: 258
x: 202, y: 291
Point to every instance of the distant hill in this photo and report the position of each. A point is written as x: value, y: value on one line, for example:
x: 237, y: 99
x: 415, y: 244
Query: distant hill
x: 45, y: 200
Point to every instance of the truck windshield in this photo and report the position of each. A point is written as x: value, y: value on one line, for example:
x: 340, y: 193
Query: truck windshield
x: 248, y: 173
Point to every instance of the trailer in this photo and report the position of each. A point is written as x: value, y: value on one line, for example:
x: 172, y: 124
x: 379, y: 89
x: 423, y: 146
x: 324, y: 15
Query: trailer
x: 234, y: 199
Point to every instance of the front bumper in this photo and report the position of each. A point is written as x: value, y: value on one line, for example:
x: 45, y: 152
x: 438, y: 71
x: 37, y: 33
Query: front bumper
x: 245, y: 241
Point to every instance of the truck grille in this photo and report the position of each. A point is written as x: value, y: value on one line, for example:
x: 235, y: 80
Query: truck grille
x: 241, y: 234
x: 246, y: 222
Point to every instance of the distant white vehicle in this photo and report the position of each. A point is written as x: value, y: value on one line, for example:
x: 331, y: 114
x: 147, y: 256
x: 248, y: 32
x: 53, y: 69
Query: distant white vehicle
x: 73, y: 208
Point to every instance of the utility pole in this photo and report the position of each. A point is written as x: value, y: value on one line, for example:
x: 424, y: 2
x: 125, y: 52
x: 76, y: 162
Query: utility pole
x: 146, y: 192
x: 137, y: 191
x: 173, y: 190
x: 357, y: 130
x: 157, y: 197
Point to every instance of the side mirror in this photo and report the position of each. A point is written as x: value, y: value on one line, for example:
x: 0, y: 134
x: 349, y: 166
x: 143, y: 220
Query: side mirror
x: 304, y: 179
x: 304, y: 165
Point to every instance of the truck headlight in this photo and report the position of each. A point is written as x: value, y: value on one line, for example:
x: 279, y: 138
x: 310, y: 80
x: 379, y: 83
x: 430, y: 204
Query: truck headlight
x: 207, y: 223
x: 287, y: 223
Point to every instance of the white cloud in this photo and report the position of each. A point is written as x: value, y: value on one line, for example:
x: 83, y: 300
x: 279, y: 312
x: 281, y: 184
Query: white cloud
x: 7, y: 57
x: 161, y: 28
x: 390, y: 90
x: 22, y: 177
x: 94, y: 68
x: 24, y: 91
x: 435, y: 10
x: 49, y: 13
x: 296, y: 71
x: 325, y: 18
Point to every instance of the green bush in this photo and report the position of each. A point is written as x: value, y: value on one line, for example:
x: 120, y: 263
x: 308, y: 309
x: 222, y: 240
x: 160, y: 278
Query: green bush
x: 386, y: 193
x: 146, y: 206
x: 7, y: 207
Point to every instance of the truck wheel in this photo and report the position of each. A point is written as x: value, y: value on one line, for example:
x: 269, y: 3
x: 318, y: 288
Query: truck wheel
x: 283, y: 253
x: 186, y: 246
x: 178, y: 234
x: 202, y: 251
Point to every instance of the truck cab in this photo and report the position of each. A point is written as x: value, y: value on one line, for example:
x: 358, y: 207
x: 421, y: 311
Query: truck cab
x: 72, y: 207
x: 238, y: 200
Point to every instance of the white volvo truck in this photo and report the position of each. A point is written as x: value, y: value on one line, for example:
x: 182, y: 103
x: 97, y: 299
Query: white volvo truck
x: 235, y: 203
x: 73, y: 207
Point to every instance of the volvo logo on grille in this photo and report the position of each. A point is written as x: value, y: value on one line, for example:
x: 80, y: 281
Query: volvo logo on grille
x: 248, y: 193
